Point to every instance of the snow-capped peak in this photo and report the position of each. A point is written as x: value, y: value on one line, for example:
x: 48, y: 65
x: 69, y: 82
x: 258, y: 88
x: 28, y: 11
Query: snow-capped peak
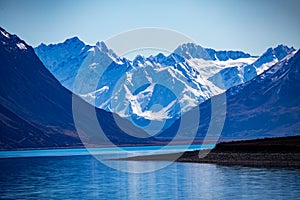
x: 64, y: 59
x: 195, y: 51
x: 192, y: 50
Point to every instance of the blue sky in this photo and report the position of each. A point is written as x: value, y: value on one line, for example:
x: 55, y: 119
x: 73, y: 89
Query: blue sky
x: 248, y: 25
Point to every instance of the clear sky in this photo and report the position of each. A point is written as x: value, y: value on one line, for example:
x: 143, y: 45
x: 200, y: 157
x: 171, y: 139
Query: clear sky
x: 248, y: 25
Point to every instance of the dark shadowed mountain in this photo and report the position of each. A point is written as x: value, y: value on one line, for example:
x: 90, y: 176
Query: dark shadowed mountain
x: 266, y: 106
x: 36, y: 110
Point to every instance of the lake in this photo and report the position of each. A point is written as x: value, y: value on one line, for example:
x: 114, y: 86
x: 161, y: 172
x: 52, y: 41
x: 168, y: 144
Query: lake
x: 75, y: 174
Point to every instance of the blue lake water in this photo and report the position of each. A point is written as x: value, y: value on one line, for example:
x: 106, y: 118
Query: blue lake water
x: 75, y: 174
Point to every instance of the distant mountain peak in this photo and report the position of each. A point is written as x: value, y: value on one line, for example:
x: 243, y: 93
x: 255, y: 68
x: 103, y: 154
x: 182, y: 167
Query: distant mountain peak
x: 158, y: 58
x: 282, y: 50
x: 72, y: 40
x: 192, y: 50
x: 277, y: 54
x: 139, y: 59
x: 160, y: 55
x: 279, y: 48
x: 266, y: 60
x: 190, y: 45
x: 102, y: 46
x: 284, y: 47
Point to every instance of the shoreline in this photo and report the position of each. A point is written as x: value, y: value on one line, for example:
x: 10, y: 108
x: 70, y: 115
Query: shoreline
x: 270, y: 152
x: 104, y: 146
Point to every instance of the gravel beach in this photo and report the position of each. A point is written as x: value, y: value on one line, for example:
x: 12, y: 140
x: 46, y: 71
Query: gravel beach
x: 270, y: 152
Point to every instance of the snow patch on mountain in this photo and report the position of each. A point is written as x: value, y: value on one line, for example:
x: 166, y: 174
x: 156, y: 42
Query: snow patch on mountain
x: 5, y: 34
x: 21, y: 46
x: 210, y: 67
x: 92, y: 95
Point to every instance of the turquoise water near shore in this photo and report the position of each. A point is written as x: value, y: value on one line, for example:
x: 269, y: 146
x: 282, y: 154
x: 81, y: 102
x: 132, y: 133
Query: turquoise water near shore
x: 140, y: 150
x: 74, y: 174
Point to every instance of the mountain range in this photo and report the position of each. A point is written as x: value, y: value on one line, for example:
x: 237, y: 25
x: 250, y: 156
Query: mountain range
x: 133, y: 89
x: 36, y: 98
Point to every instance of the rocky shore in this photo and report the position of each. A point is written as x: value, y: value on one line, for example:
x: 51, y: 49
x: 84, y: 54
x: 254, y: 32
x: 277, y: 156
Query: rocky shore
x: 270, y: 152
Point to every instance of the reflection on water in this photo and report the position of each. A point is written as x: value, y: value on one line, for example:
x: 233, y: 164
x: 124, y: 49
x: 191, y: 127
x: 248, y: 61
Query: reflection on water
x: 73, y: 177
